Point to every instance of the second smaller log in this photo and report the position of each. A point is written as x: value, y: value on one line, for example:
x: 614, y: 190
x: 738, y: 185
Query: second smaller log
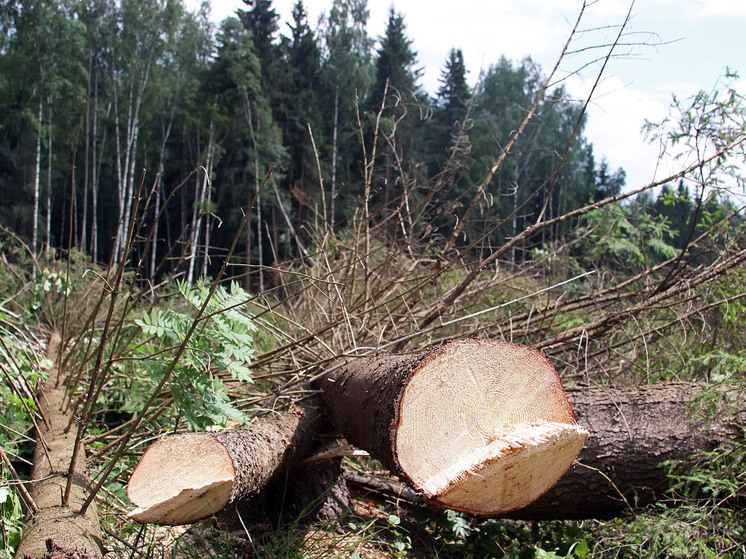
x: 479, y: 426
x: 185, y: 478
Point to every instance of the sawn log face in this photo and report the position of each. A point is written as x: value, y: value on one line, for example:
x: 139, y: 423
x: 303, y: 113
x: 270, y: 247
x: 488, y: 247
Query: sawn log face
x: 475, y: 425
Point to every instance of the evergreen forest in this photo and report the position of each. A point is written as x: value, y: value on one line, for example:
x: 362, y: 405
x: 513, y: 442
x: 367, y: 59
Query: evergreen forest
x: 201, y: 220
x: 147, y: 99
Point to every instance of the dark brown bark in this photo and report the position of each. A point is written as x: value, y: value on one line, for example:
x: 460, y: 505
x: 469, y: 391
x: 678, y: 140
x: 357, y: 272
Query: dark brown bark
x: 361, y: 399
x: 632, y: 431
x: 264, y: 451
x: 55, y: 524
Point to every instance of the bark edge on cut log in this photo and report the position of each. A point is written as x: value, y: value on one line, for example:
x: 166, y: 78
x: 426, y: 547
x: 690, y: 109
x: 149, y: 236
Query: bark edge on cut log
x: 184, y: 478
x: 475, y: 425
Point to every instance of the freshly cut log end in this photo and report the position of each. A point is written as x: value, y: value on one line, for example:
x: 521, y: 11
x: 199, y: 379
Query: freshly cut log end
x: 479, y: 426
x: 180, y: 480
x: 185, y: 478
x: 511, y: 472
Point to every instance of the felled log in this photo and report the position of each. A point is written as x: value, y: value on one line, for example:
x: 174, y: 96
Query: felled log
x: 185, y: 478
x: 474, y: 425
x: 57, y: 525
x: 478, y: 426
x: 633, y: 430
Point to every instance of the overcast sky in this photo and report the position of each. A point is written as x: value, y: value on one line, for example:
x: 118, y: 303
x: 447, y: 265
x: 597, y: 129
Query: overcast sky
x: 695, y: 41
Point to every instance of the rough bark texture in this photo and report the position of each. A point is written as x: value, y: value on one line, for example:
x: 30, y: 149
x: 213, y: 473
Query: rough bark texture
x: 368, y: 390
x: 632, y: 430
x: 56, y: 526
x: 269, y: 448
x: 312, y: 491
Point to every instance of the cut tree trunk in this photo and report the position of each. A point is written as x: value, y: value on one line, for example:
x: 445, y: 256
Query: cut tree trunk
x: 184, y: 478
x: 474, y: 425
x: 632, y: 431
x: 478, y: 426
x: 55, y: 524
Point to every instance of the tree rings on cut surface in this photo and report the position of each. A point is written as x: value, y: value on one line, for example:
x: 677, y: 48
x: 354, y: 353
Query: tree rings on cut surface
x: 184, y: 478
x: 480, y: 426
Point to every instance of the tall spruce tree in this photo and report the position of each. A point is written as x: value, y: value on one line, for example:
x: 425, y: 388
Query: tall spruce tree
x: 262, y: 21
x: 454, y: 93
x: 250, y: 136
x: 395, y: 65
x: 451, y: 106
x: 448, y: 145
x: 297, y: 110
x: 397, y: 90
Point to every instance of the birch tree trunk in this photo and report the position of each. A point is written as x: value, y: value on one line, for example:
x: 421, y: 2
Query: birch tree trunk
x: 49, y: 181
x: 333, y: 181
x: 208, y: 215
x: 86, y: 170
x: 126, y: 158
x: 259, y: 236
x: 159, y: 192
x: 200, y: 193
x: 37, y: 172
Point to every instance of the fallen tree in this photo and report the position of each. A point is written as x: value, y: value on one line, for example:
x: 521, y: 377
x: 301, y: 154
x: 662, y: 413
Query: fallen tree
x: 633, y: 430
x: 478, y: 426
x: 184, y: 478
x: 474, y: 425
x: 58, y: 525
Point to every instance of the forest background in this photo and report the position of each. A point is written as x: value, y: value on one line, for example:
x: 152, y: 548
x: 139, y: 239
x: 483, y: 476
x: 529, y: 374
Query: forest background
x: 155, y: 87
x: 363, y: 212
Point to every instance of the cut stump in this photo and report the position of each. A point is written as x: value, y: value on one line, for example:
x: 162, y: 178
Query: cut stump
x: 478, y: 426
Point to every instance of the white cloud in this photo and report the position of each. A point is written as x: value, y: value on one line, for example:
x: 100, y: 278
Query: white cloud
x: 636, y: 87
x: 616, y: 116
x: 713, y: 8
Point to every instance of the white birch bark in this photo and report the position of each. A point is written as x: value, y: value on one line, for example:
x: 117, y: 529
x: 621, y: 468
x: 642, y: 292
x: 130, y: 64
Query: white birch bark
x: 37, y: 172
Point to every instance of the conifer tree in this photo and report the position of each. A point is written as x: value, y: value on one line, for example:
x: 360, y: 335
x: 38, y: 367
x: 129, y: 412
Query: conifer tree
x: 261, y: 20
x: 396, y: 89
x: 396, y: 62
x: 298, y: 109
x: 454, y: 93
x: 451, y: 106
x: 249, y: 133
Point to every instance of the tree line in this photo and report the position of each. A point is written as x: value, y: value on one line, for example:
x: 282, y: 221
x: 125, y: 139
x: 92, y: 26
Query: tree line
x: 141, y: 108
